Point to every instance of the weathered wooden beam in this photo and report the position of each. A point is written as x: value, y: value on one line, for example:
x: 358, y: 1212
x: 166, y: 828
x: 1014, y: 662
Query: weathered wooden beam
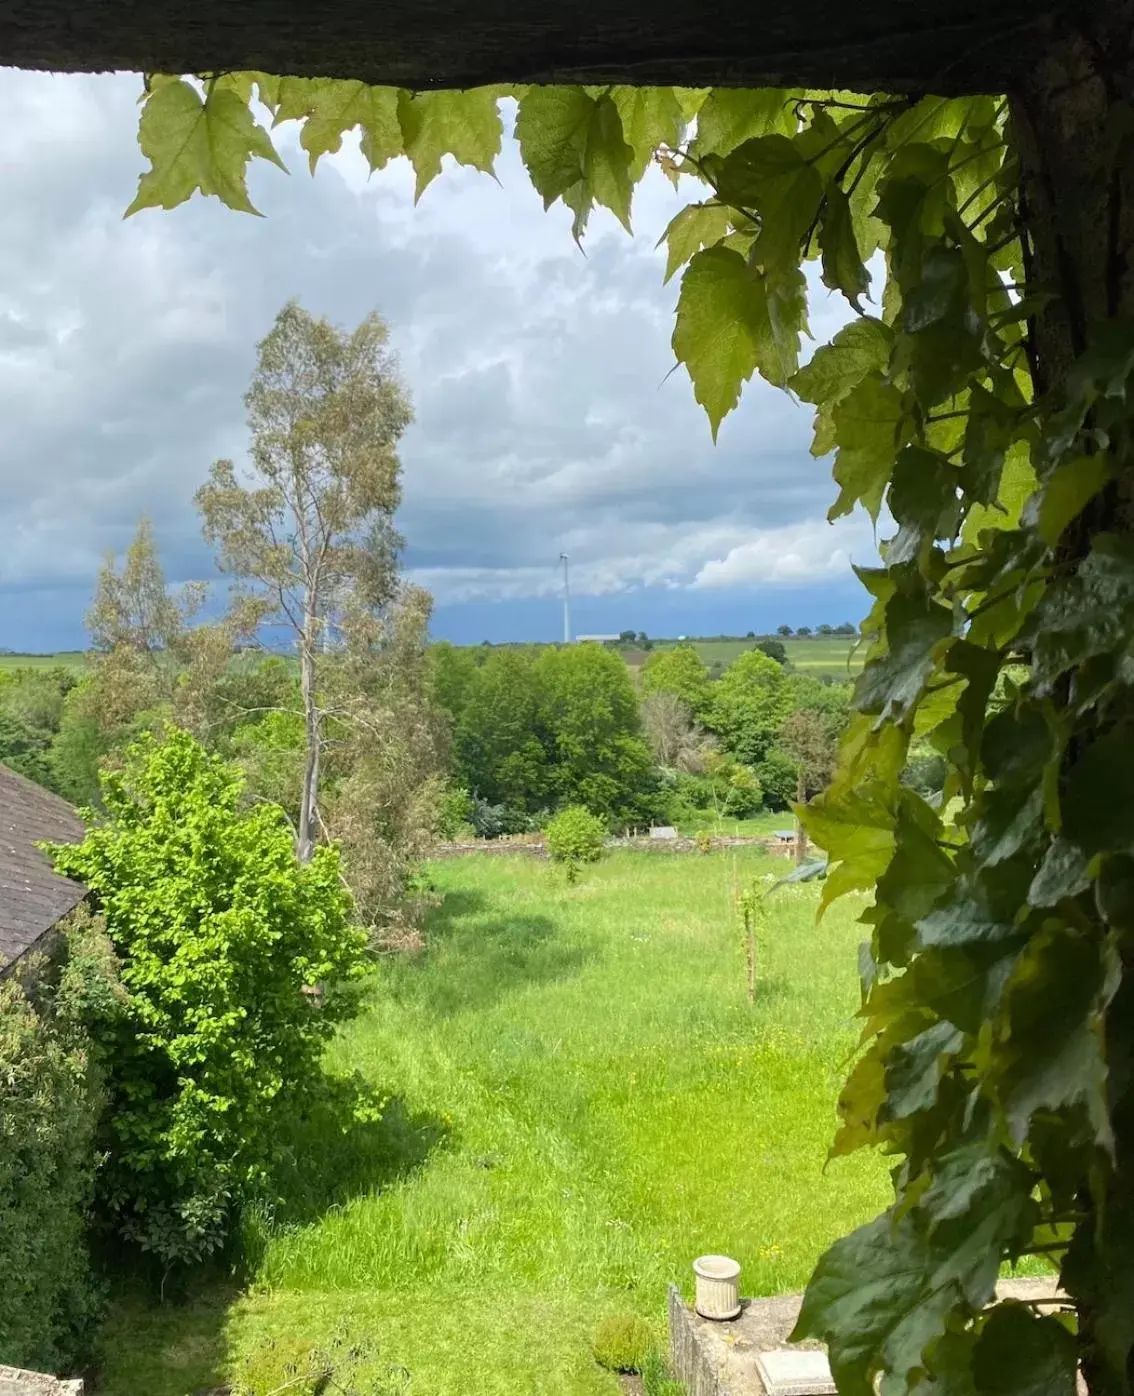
x: 947, y: 46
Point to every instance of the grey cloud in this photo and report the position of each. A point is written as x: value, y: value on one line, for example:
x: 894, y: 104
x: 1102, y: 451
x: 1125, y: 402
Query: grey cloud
x: 545, y: 417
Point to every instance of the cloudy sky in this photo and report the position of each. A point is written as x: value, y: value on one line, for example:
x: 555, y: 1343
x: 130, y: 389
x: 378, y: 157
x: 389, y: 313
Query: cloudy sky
x: 545, y: 422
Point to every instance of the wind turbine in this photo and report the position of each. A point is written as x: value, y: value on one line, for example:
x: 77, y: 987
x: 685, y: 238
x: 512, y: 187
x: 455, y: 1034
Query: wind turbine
x: 566, y: 599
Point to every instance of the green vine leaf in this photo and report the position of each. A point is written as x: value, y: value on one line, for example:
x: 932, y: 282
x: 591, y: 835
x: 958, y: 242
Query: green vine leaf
x: 773, y: 176
x: 1053, y: 1057
x: 465, y: 125
x: 1020, y: 1353
x: 696, y: 226
x: 914, y: 1069
x: 1098, y: 802
x: 198, y: 145
x: 723, y: 331
x: 652, y: 118
x: 870, y: 426
x: 881, y: 1295
x: 574, y: 148
x: 1066, y: 493
x: 917, y: 629
x: 329, y: 108
x: 731, y: 115
x: 860, y: 348
x: 1062, y: 874
x: 963, y: 921
x: 1087, y: 615
x: 856, y: 828
x: 843, y: 268
x: 923, y: 500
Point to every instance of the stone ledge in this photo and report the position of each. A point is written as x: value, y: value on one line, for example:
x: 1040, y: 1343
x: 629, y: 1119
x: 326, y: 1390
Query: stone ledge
x: 16, y: 1382
x: 719, y: 1358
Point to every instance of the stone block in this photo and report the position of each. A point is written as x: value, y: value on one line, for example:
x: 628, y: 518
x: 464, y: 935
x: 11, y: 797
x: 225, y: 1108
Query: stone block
x: 14, y: 1381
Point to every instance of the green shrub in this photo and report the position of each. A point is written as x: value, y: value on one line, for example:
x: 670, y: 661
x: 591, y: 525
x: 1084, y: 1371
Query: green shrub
x: 777, y: 775
x: 737, y: 792
x: 454, y: 812
x: 491, y: 821
x: 574, y: 837
x: 623, y: 1343
x: 50, y: 1101
x: 219, y: 930
x: 925, y: 770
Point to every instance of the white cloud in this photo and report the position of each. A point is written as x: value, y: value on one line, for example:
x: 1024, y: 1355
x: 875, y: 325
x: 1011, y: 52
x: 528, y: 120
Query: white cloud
x: 805, y: 552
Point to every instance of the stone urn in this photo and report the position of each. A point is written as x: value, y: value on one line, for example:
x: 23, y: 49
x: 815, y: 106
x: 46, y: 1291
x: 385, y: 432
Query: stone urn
x: 718, y: 1287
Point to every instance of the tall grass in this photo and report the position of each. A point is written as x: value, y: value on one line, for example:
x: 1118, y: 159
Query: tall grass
x: 581, y: 1101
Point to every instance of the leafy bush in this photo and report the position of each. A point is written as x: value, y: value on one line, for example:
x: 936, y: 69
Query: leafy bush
x: 454, y: 812
x: 777, y: 775
x: 925, y: 770
x: 574, y: 837
x: 736, y: 789
x: 50, y: 1101
x: 774, y: 649
x: 622, y: 1343
x: 219, y: 930
x: 491, y: 821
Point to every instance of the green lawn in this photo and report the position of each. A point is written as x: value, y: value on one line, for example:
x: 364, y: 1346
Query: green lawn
x: 581, y: 1100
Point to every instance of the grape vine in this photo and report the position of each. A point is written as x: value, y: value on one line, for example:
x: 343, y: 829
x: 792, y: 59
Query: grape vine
x: 996, y: 1063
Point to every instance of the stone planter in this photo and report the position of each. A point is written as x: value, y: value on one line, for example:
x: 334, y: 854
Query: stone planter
x: 718, y: 1287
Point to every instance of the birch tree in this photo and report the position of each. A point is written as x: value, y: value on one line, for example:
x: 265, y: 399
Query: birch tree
x: 311, y: 519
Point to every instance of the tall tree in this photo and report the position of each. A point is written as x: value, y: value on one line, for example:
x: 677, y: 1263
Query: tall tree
x: 813, y: 744
x: 591, y: 714
x: 387, y: 748
x: 682, y: 672
x: 504, y: 753
x: 749, y: 702
x: 674, y: 738
x: 313, y: 518
x: 137, y: 629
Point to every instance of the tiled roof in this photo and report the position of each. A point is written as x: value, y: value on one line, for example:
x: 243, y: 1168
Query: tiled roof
x: 32, y: 897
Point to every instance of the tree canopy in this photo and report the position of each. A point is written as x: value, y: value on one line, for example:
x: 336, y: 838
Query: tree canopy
x: 682, y: 672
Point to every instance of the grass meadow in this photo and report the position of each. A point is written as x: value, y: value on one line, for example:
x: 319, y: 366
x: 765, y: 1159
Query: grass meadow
x: 580, y: 1100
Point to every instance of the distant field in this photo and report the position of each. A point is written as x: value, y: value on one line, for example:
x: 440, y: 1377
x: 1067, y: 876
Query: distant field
x: 66, y: 659
x: 826, y: 655
x: 829, y: 655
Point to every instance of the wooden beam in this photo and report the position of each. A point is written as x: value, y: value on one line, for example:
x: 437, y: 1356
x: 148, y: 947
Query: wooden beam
x: 947, y: 46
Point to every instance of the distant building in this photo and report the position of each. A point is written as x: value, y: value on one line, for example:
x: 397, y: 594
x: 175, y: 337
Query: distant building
x: 597, y: 639
x: 33, y: 897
